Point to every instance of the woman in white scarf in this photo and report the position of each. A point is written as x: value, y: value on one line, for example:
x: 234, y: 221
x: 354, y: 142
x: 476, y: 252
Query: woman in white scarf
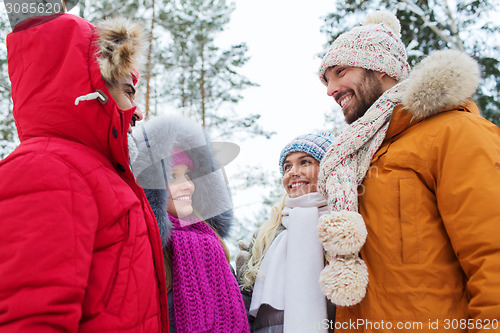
x: 286, y: 257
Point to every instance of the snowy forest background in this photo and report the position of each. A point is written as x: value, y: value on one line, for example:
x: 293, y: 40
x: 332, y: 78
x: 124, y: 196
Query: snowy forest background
x: 188, y: 71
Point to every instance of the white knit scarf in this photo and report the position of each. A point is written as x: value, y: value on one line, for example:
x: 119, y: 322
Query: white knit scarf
x: 342, y: 170
x: 288, y: 277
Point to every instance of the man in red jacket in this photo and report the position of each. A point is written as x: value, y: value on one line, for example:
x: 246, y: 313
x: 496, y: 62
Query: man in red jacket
x: 79, y: 246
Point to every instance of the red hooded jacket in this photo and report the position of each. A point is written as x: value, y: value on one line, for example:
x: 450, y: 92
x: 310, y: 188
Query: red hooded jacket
x: 79, y: 246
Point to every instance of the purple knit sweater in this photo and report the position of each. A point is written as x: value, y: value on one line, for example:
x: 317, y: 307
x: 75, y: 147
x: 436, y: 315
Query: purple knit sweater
x: 205, y: 291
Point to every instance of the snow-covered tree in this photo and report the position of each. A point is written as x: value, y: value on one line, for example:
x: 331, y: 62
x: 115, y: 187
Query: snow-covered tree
x: 203, y: 77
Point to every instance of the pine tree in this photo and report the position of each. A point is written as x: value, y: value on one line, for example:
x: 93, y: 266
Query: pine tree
x: 204, y: 78
x: 429, y: 25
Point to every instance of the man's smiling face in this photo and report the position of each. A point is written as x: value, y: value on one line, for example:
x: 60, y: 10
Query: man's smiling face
x: 354, y: 89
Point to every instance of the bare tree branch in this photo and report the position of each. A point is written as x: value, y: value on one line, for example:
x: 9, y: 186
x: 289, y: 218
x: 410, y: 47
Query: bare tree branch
x: 454, y: 29
x: 148, y: 63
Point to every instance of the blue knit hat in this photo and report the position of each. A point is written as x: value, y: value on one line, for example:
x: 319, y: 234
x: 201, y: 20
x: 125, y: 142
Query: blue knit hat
x: 315, y: 145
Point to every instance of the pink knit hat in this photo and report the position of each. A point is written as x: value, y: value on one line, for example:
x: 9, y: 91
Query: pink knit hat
x: 179, y: 156
x: 375, y: 45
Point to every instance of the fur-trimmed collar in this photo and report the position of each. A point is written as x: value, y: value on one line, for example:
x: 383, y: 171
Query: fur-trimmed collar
x: 442, y: 80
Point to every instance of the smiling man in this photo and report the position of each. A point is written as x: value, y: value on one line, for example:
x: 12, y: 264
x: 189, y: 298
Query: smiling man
x: 418, y: 245
x: 123, y: 92
x: 80, y: 250
x: 356, y: 89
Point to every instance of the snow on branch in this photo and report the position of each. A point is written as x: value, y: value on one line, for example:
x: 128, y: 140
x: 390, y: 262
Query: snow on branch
x: 432, y: 25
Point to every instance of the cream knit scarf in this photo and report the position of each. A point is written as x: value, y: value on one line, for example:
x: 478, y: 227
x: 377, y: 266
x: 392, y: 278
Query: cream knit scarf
x: 288, y: 277
x: 343, y: 231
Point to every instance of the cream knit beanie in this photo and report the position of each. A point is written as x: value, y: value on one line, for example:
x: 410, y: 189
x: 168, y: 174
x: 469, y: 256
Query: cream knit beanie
x: 375, y: 45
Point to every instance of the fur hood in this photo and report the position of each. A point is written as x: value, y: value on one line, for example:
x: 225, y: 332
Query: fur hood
x: 442, y: 80
x: 156, y: 140
x: 120, y: 48
x: 56, y: 63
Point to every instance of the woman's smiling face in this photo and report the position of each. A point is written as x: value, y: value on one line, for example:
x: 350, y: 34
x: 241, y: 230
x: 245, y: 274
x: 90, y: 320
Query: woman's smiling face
x: 181, y: 189
x: 300, y: 174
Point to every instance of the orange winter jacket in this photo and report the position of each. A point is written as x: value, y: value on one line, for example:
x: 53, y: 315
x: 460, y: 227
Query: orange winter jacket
x: 431, y: 204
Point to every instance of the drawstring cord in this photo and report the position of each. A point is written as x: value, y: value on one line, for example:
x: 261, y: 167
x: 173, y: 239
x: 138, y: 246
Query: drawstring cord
x: 95, y: 95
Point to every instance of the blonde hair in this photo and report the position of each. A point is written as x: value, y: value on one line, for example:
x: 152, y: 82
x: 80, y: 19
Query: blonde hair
x: 265, y: 237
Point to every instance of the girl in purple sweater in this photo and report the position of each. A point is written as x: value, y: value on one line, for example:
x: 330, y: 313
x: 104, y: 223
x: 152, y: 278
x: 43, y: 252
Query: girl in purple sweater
x: 192, y: 206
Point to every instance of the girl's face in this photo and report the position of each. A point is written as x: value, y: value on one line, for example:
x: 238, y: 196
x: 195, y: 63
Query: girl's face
x: 181, y: 189
x: 300, y: 174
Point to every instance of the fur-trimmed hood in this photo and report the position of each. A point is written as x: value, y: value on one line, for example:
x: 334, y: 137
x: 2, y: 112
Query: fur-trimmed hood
x: 120, y: 47
x: 442, y: 80
x: 59, y: 60
x: 155, y: 140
